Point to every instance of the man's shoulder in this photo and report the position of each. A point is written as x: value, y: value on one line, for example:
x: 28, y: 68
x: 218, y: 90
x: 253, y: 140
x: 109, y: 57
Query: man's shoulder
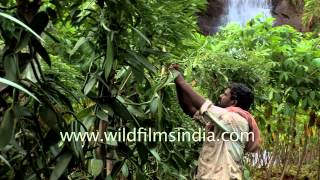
x: 225, y: 113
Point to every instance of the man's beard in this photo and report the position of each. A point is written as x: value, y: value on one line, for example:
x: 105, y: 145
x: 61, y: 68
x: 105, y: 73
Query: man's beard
x: 218, y: 103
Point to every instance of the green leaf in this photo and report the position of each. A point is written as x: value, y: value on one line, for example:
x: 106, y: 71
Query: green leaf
x: 89, y: 85
x: 140, y: 175
x: 116, y: 168
x: 102, y: 115
x: 142, y: 35
x: 122, y: 111
x: 41, y: 50
x: 138, y: 74
x: 5, y: 161
x: 109, y: 58
x: 155, y: 154
x: 48, y: 116
x: 21, y: 111
x: 270, y: 96
x: 312, y: 95
x: 7, y: 128
x: 109, y: 178
x: 304, y: 104
x: 125, y: 170
x: 23, y: 41
x: 136, y: 111
x: 15, y: 85
x: 143, y: 152
x: 179, y: 159
x: 21, y: 24
x: 143, y: 61
x: 316, y: 62
x: 51, y: 138
x: 79, y: 43
x: 154, y: 104
x: 124, y: 149
x: 61, y: 166
x: 11, y: 68
x: 39, y: 22
x: 246, y: 174
x: 95, y: 167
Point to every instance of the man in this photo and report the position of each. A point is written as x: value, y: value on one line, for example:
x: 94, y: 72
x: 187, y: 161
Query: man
x: 221, y: 159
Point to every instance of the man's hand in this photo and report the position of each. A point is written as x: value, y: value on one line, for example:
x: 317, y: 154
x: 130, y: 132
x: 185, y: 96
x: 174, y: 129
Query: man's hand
x: 175, y: 70
x: 175, y: 66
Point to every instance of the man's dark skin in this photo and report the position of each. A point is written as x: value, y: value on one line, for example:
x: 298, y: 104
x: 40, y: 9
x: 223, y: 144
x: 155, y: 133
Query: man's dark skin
x: 190, y: 101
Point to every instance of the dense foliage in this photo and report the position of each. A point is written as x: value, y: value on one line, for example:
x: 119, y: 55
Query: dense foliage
x: 102, y: 65
x: 311, y: 14
x: 281, y: 65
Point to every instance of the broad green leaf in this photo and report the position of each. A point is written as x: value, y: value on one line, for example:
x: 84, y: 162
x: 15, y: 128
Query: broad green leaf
x: 7, y: 128
x: 138, y: 74
x: 61, y: 166
x: 143, y: 61
x: 136, y: 111
x: 122, y: 111
x: 79, y: 43
x: 21, y: 24
x: 88, y: 121
x: 109, y: 58
x: 89, y: 85
x: 15, y: 85
x: 41, y: 51
x: 102, y: 115
x: 39, y: 22
x: 142, y: 35
x: 95, y: 167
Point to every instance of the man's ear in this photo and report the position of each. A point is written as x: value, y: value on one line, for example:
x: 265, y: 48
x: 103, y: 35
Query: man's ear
x: 234, y: 102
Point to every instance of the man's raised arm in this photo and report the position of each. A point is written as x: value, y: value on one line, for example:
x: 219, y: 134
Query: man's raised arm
x: 189, y: 100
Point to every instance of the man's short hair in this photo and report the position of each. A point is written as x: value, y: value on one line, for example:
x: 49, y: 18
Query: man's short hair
x: 242, y: 94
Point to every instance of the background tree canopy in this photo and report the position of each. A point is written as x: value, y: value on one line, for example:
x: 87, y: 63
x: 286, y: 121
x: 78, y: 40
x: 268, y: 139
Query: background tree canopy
x: 99, y: 66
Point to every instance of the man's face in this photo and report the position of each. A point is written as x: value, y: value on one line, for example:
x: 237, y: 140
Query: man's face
x: 225, y: 99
